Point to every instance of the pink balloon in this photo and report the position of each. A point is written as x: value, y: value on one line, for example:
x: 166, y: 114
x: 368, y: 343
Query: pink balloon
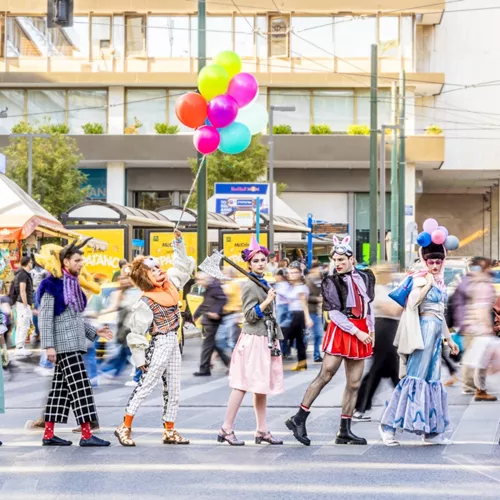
x: 430, y: 225
x: 445, y: 231
x: 438, y: 237
x: 206, y: 139
x: 222, y: 111
x: 243, y: 87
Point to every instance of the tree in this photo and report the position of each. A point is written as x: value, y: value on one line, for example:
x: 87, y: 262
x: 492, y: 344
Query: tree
x: 57, y: 182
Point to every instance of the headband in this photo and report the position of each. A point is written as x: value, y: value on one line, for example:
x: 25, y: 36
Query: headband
x: 151, y: 262
x: 342, y: 247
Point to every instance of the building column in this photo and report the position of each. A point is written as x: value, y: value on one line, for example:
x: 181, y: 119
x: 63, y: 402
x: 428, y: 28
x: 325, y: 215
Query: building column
x: 116, y: 110
x: 495, y: 222
x: 115, y: 180
x: 410, y: 201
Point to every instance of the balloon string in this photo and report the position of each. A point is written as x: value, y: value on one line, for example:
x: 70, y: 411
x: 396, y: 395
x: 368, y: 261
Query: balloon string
x: 191, y: 191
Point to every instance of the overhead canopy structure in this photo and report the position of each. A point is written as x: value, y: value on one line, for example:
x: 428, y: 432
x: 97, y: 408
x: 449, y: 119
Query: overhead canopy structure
x: 100, y: 212
x: 190, y: 218
x: 22, y: 217
x: 286, y: 224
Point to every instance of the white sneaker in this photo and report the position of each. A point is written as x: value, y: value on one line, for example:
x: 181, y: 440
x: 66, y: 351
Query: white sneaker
x: 437, y: 440
x: 361, y: 417
x: 23, y: 353
x: 387, y: 437
x: 44, y: 372
x: 131, y: 383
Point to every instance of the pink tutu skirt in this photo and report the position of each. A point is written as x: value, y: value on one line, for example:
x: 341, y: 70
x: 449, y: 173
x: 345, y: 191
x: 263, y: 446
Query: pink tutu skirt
x: 253, y: 369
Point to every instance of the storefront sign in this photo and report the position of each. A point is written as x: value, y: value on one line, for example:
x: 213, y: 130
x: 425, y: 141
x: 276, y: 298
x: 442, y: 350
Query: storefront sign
x: 325, y: 228
x: 160, y: 247
x: 236, y: 197
x: 235, y: 243
x: 97, y: 180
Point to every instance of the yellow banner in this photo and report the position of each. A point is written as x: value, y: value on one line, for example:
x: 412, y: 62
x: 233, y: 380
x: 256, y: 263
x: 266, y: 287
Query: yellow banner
x: 100, y: 262
x: 160, y: 247
x: 235, y: 243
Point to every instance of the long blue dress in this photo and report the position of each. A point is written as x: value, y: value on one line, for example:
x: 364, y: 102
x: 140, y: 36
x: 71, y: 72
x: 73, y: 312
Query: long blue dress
x: 419, y: 403
x: 2, y: 400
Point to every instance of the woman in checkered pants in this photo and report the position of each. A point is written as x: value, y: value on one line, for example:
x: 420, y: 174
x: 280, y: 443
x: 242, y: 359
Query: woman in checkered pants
x: 157, y: 313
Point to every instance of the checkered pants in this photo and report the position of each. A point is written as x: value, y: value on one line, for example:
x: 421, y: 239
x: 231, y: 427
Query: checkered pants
x: 163, y: 361
x: 70, y: 388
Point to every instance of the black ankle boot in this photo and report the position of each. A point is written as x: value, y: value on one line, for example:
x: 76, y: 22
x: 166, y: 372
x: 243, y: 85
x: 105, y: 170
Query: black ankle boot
x: 345, y: 436
x: 297, y: 424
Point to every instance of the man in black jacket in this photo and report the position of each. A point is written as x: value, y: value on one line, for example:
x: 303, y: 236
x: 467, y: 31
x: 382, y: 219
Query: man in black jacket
x: 211, y: 311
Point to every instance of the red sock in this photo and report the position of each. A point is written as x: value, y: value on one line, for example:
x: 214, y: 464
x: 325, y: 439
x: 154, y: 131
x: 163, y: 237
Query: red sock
x: 345, y: 416
x: 86, y: 432
x: 305, y: 408
x: 49, y: 430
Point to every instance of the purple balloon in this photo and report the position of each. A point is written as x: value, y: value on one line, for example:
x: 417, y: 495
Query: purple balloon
x: 222, y: 111
x: 444, y: 230
x: 206, y: 139
x: 243, y: 87
x: 430, y: 225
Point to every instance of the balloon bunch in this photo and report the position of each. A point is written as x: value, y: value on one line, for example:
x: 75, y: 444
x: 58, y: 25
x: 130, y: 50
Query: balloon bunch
x: 224, y: 113
x: 434, y: 233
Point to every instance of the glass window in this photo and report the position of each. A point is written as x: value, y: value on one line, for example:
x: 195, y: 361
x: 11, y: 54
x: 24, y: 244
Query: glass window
x: 27, y: 36
x: 78, y: 36
x: 173, y: 95
x: 149, y: 106
x: 194, y: 36
x: 261, y: 39
x: 363, y: 107
x: 243, y: 36
x: 219, y: 34
x: 278, y: 38
x: 86, y: 106
x: 407, y: 37
x: 317, y: 42
x: 334, y: 108
x: 168, y: 36
x: 354, y: 37
x: 388, y: 36
x: 135, y: 36
x: 101, y: 36
x: 152, y: 200
x: 119, y: 36
x: 14, y: 100
x: 300, y: 119
x: 47, y: 105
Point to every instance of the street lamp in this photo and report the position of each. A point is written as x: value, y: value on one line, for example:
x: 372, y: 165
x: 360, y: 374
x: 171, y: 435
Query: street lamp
x: 271, y: 170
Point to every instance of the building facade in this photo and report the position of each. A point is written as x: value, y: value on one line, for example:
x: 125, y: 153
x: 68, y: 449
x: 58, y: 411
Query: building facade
x: 119, y: 65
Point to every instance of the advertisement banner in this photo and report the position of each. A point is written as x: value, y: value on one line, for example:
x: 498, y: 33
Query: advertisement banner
x: 160, y: 247
x: 240, y: 196
x: 235, y: 243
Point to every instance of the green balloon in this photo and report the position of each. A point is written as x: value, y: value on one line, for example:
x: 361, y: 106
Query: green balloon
x: 212, y: 81
x: 230, y: 61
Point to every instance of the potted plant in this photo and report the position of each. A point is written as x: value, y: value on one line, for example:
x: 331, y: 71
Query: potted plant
x: 358, y: 130
x: 433, y: 130
x: 93, y: 128
x: 133, y: 129
x: 166, y: 129
x: 282, y: 129
x: 321, y: 129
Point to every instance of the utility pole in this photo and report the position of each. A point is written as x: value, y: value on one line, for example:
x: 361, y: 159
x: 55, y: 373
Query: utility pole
x: 202, y: 165
x: 382, y: 194
x: 402, y: 173
x: 394, y: 177
x: 373, y: 158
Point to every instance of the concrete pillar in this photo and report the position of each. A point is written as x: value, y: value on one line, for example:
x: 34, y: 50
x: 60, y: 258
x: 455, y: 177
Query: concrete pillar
x: 116, y: 114
x: 495, y: 222
x: 116, y: 182
x: 410, y: 208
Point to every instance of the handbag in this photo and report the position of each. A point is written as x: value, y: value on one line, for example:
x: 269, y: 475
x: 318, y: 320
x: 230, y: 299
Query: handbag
x: 400, y: 293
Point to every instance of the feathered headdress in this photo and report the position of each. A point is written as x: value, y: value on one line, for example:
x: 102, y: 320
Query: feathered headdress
x: 253, y: 249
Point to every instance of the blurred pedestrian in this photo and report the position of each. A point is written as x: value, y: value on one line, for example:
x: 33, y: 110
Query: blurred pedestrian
x: 315, y: 302
x: 226, y: 336
x: 283, y: 314
x: 272, y: 265
x: 121, y: 264
x: 3, y: 361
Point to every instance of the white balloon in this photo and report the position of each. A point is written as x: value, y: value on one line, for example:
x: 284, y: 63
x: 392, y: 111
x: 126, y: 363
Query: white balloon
x: 254, y: 116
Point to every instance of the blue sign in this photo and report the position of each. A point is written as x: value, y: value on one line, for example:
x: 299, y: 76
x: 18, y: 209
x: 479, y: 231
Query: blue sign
x: 97, y: 180
x: 242, y: 188
x: 138, y: 243
x: 225, y: 206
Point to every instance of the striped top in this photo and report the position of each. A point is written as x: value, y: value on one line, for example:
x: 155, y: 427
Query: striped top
x: 165, y: 319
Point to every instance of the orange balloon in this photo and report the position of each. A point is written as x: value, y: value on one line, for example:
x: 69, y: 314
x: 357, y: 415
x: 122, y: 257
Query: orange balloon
x: 191, y: 109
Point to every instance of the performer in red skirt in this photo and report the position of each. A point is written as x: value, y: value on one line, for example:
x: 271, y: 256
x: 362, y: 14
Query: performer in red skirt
x: 347, y: 295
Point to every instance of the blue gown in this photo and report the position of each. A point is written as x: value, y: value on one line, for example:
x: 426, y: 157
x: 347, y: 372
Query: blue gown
x: 419, y: 403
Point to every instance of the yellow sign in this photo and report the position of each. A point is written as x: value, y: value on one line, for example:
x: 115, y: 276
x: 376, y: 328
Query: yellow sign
x: 235, y: 243
x: 105, y: 262
x: 160, y: 247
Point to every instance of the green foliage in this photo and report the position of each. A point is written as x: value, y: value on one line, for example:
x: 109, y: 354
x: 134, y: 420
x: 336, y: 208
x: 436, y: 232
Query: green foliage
x: 93, y: 129
x: 166, y: 129
x: 249, y: 166
x: 282, y: 129
x: 433, y: 130
x: 321, y: 129
x: 358, y: 130
x: 57, y: 182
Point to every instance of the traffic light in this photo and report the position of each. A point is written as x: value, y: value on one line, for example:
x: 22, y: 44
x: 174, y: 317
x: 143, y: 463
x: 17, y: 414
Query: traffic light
x: 59, y: 13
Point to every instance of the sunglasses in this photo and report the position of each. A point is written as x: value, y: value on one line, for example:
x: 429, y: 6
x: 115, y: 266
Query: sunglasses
x: 436, y: 262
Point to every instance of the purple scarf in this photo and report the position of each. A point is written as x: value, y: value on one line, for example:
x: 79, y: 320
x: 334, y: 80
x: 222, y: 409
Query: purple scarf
x: 74, y: 297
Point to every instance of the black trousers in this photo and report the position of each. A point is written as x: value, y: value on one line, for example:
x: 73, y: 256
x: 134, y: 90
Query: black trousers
x: 295, y: 332
x: 208, y: 347
x: 385, y: 363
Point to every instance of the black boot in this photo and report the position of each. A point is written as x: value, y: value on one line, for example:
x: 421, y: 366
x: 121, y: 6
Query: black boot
x: 297, y: 424
x: 345, y: 436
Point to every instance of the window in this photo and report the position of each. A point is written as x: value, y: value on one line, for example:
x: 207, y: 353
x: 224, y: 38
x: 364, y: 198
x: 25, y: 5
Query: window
x: 388, y: 36
x: 173, y: 95
x: 219, y: 34
x: 363, y: 107
x: 27, y: 36
x: 243, y: 36
x: 101, y: 36
x: 300, y: 119
x: 149, y: 106
x: 194, y: 36
x: 14, y: 100
x: 278, y: 36
x: 46, y: 105
x: 118, y: 36
x: 354, y: 37
x: 86, y: 106
x: 261, y: 37
x: 168, y: 36
x: 153, y: 200
x: 74, y: 41
x: 317, y: 42
x: 334, y: 108
x: 135, y: 32
x: 407, y: 37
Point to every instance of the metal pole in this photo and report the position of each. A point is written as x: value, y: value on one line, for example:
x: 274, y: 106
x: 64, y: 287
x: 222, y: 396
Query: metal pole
x: 373, y: 159
x: 30, y: 165
x: 271, y: 180
x: 394, y: 178
x: 382, y: 195
x: 257, y: 220
x: 202, y: 165
x: 309, y: 241
x: 402, y: 174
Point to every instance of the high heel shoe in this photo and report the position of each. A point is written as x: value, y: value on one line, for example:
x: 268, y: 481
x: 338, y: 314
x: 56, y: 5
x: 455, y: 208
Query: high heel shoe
x: 266, y: 437
x: 229, y: 437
